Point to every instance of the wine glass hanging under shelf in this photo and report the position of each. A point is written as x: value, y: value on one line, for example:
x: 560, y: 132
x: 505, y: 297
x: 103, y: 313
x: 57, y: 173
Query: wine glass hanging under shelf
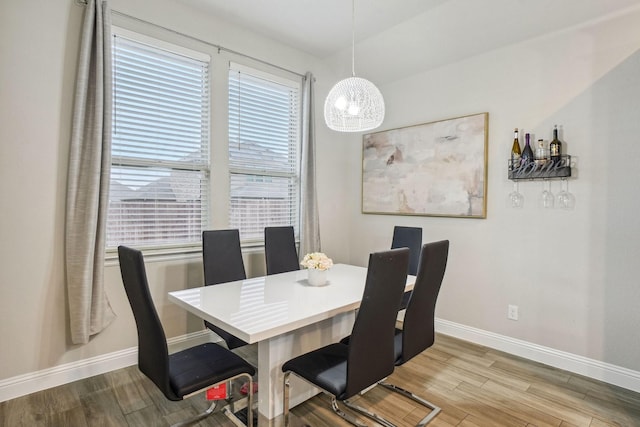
x: 558, y: 169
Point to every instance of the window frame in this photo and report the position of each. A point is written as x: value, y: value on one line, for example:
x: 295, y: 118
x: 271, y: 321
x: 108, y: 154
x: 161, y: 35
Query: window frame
x: 206, y: 167
x: 238, y: 170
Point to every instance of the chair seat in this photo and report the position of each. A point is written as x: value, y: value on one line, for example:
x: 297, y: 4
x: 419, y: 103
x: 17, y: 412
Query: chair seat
x: 201, y: 366
x: 326, y: 367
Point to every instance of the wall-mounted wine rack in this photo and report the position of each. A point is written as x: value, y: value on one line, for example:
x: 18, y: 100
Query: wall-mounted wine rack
x: 559, y: 169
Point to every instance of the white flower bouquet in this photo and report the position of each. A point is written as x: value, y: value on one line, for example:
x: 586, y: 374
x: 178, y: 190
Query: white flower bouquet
x: 317, y: 261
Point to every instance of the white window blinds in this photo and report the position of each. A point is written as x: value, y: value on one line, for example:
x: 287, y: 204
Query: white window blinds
x: 160, y: 162
x: 264, y: 141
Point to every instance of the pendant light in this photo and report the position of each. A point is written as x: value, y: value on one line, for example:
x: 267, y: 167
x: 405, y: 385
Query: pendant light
x: 354, y: 104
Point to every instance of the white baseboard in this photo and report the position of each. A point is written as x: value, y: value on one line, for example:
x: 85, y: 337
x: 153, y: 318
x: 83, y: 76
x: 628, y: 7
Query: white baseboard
x: 41, y: 380
x: 611, y: 374
x: 32, y: 382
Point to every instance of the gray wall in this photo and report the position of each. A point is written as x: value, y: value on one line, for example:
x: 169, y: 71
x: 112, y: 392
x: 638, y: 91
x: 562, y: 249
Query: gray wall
x: 572, y: 273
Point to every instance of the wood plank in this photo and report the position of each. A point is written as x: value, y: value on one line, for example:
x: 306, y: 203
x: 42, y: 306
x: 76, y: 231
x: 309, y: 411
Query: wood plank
x: 461, y: 371
x: 19, y: 412
x: 524, y: 368
x: 603, y: 391
x: 599, y: 423
x: 553, y: 407
x: 497, y: 375
x: 102, y: 408
x: 511, y: 406
x: 71, y: 417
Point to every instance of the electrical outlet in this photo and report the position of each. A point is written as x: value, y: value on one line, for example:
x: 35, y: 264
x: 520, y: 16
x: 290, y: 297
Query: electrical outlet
x: 512, y: 312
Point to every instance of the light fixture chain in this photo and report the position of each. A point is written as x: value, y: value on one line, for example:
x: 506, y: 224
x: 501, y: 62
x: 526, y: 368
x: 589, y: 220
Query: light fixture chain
x: 353, y: 38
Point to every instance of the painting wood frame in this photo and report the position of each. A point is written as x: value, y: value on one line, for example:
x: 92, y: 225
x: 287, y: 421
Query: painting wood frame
x: 431, y: 169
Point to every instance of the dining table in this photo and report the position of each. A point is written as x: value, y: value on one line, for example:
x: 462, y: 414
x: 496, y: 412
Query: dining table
x: 286, y: 316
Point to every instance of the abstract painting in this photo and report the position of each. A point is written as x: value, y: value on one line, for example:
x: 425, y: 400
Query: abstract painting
x: 431, y: 169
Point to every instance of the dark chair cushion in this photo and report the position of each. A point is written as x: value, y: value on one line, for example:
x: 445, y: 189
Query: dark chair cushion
x: 397, y: 345
x: 222, y: 262
x: 326, y: 367
x: 280, y: 250
x: 405, y: 300
x: 408, y: 237
x: 222, y: 256
x: 198, y: 367
x: 419, y: 331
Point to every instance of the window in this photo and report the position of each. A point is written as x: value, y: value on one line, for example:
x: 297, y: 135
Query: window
x: 264, y: 141
x: 159, y: 184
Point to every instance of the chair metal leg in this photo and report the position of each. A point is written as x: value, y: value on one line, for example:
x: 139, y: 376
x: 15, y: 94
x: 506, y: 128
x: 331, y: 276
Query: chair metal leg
x: 334, y: 406
x: 344, y: 415
x: 227, y: 409
x: 235, y: 420
x: 230, y: 408
x: 250, y: 402
x: 285, y: 399
x: 435, y: 410
x: 368, y: 414
x: 229, y: 399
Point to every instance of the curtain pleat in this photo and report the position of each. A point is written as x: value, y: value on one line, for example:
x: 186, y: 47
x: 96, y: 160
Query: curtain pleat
x: 88, y: 178
x: 310, y: 223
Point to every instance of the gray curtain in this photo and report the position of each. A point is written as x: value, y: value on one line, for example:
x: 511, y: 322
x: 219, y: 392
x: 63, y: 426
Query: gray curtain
x: 88, y: 178
x: 310, y: 223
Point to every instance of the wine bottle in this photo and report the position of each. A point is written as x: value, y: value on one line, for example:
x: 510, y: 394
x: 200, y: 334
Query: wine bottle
x: 555, y: 147
x: 515, y: 151
x: 527, y: 153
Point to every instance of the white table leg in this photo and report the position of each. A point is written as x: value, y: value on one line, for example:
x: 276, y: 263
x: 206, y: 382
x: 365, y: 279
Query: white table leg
x: 274, y: 352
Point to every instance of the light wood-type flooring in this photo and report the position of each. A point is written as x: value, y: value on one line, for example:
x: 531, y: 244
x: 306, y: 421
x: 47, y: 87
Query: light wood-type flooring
x: 475, y: 386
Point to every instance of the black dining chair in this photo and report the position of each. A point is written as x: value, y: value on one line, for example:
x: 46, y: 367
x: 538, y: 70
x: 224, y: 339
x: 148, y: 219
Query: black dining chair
x: 222, y: 262
x: 408, y: 237
x: 418, y: 332
x: 280, y: 250
x: 344, y: 370
x: 186, y: 372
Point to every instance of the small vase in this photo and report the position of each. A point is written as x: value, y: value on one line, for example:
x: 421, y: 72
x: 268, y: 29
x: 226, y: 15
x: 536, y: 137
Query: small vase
x: 317, y: 277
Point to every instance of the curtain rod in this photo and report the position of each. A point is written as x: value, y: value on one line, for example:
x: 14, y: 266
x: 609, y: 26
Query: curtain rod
x: 219, y: 47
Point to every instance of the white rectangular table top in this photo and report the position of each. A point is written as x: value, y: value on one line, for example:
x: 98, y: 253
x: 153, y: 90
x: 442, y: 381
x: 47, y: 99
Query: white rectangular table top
x: 263, y: 307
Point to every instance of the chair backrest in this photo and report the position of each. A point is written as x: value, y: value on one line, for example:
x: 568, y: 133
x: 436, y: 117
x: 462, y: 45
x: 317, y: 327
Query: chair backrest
x: 408, y: 237
x: 371, y: 345
x: 222, y: 256
x: 280, y: 250
x: 153, y: 354
x: 418, y: 327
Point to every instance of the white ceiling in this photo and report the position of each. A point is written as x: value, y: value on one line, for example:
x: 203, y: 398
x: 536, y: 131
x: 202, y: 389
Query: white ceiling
x: 319, y: 27
x: 412, y: 34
